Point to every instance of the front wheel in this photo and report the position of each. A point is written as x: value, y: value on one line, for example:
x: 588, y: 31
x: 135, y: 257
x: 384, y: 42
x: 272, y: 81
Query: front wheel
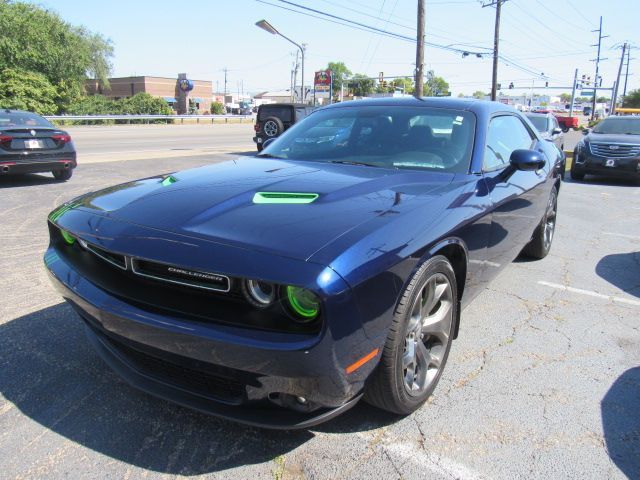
x: 540, y: 244
x: 419, y: 340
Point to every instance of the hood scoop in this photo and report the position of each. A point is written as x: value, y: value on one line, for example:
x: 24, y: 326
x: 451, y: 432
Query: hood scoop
x: 284, y: 197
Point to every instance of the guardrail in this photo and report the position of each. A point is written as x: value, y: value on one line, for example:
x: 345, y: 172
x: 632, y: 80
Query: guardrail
x: 149, y: 118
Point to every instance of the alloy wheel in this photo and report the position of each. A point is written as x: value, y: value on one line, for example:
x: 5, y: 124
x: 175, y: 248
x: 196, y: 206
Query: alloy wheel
x: 427, y: 337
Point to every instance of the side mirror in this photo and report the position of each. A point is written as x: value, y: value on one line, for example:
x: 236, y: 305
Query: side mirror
x: 556, y: 131
x: 268, y: 142
x: 586, y: 131
x: 527, y: 160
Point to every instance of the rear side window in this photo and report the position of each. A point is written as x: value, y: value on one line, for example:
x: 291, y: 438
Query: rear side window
x: 506, y: 133
x: 284, y: 113
x: 22, y: 119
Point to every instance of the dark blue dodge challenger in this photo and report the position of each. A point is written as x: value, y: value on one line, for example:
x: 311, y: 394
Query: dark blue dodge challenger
x: 279, y: 290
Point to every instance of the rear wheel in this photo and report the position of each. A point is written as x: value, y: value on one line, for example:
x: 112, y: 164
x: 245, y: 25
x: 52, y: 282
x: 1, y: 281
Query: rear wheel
x: 540, y: 244
x: 419, y: 340
x: 62, y: 175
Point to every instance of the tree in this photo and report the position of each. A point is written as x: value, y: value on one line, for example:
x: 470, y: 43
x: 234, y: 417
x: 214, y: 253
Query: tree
x: 23, y: 90
x: 435, y: 86
x: 361, y: 85
x: 340, y: 73
x: 480, y: 95
x: 33, y: 39
x: 603, y: 100
x: 632, y: 99
x: 217, y: 108
x: 565, y: 97
x: 404, y: 84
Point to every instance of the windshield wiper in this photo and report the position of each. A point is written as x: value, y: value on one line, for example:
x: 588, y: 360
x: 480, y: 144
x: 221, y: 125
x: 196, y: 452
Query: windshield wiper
x: 351, y: 162
x: 268, y: 155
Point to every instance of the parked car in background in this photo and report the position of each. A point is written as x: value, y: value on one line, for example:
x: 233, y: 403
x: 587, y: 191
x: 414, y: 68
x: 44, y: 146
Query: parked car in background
x: 275, y: 118
x: 31, y: 144
x: 280, y: 290
x: 611, y: 148
x: 549, y: 129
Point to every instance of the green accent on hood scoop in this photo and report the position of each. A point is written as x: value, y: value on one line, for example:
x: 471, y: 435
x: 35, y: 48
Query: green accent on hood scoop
x: 284, y: 197
x: 168, y: 180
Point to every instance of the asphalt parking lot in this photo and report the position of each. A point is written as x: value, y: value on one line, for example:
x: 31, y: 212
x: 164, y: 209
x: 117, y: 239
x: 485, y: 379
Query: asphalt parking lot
x: 543, y: 381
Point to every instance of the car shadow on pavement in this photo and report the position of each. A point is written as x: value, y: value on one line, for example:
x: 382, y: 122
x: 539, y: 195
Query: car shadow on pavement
x: 621, y: 422
x: 597, y: 181
x: 26, y: 180
x: 52, y: 375
x: 248, y: 153
x: 621, y: 270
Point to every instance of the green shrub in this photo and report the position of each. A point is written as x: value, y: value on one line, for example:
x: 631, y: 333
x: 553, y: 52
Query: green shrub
x: 217, y: 108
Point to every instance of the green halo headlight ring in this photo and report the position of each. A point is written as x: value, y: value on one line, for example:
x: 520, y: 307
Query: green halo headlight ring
x: 67, y: 237
x: 303, y: 302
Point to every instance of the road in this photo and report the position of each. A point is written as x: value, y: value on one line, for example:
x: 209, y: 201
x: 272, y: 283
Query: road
x: 96, y: 144
x: 543, y: 381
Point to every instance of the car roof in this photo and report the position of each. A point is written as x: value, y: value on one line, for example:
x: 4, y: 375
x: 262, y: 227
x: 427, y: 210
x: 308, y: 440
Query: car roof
x: 284, y: 105
x: 472, y: 105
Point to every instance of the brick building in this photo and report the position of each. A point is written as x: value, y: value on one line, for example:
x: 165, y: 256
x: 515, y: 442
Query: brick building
x: 166, y: 88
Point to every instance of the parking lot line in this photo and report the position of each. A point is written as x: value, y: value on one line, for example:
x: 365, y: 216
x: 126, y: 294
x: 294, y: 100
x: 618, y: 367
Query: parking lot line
x: 590, y: 293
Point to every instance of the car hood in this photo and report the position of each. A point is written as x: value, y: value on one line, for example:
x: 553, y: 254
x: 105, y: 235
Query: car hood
x: 609, y: 138
x: 217, y: 202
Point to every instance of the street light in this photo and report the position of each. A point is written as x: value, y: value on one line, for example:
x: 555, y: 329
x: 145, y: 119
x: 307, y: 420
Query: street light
x: 267, y: 27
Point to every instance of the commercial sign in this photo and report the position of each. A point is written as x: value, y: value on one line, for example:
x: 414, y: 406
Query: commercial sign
x: 185, y: 85
x: 322, y: 81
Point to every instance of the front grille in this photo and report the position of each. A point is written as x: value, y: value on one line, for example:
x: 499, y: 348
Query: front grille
x: 205, y: 383
x: 181, y: 276
x: 113, y: 258
x: 615, y: 150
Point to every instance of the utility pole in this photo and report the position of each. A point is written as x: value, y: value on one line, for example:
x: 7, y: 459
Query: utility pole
x: 626, y: 76
x: 419, y: 80
x: 295, y: 74
x: 597, y: 60
x: 573, y: 92
x: 225, y: 70
x: 496, y: 42
x: 615, y: 90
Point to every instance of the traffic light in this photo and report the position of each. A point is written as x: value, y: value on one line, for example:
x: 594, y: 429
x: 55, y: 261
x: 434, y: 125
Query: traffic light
x: 499, y: 86
x: 546, y: 84
x: 511, y: 85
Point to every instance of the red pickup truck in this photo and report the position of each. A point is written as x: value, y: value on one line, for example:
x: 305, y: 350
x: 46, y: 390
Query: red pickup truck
x: 566, y: 122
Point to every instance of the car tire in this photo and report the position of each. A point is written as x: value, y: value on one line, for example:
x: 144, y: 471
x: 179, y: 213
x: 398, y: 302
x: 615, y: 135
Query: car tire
x: 419, y: 340
x: 62, y: 175
x: 576, y: 175
x: 542, y: 239
x: 272, y: 127
x: 565, y: 129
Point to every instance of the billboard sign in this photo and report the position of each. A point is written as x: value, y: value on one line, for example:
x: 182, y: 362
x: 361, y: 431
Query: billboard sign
x: 322, y: 81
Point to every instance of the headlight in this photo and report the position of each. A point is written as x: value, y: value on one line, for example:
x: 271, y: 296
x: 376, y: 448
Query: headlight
x: 259, y: 294
x: 67, y: 237
x: 304, y: 304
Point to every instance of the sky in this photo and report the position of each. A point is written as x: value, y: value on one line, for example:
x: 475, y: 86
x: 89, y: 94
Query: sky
x: 203, y: 37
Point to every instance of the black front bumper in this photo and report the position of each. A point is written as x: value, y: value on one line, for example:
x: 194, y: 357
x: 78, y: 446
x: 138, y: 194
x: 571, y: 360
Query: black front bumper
x: 587, y: 163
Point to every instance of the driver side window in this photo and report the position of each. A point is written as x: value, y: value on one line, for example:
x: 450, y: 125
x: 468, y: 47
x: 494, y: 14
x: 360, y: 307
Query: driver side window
x: 506, y: 133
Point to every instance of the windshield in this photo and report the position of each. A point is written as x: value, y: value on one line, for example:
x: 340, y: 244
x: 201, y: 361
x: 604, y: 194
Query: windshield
x: 22, y: 119
x: 539, y: 122
x: 619, y: 125
x: 382, y: 136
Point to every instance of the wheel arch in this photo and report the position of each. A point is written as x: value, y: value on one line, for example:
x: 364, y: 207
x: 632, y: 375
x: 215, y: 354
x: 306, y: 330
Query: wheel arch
x: 455, y: 250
